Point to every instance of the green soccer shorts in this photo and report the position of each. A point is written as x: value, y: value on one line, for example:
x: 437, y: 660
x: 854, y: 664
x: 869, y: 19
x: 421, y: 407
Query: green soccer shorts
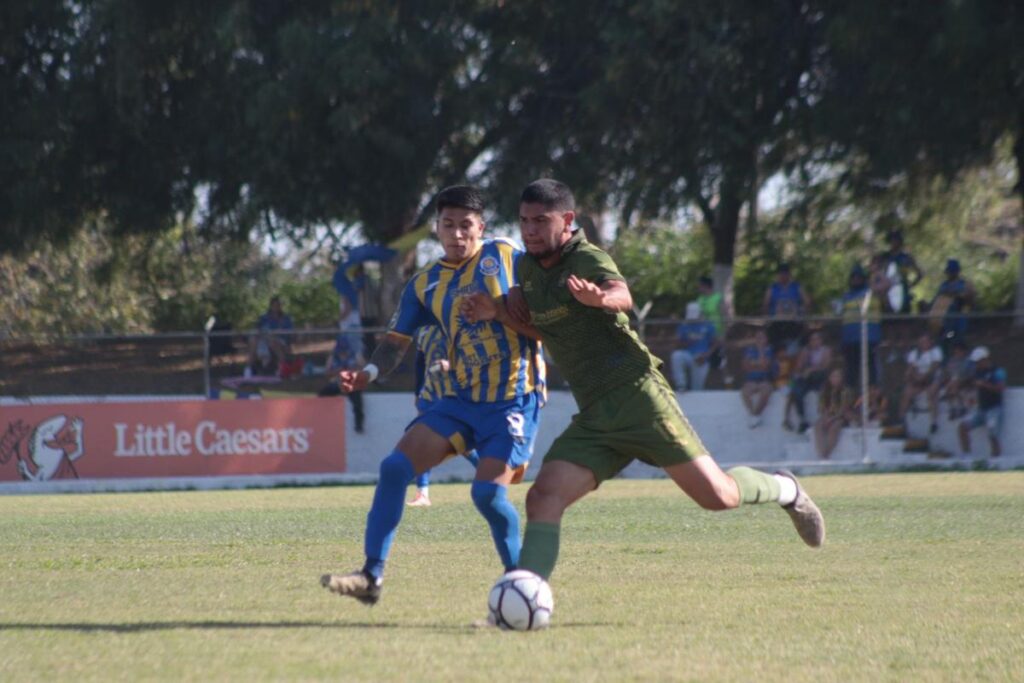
x: 640, y: 421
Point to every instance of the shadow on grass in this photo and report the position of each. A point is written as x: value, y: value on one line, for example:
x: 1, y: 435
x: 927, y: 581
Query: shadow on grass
x: 150, y: 626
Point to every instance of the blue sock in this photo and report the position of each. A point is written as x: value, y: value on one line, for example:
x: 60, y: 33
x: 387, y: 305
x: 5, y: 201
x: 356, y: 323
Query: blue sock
x: 492, y: 501
x: 472, y: 457
x: 423, y: 481
x: 386, y: 512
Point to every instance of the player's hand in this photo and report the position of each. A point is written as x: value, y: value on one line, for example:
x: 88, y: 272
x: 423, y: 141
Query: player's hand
x: 478, y: 307
x: 439, y: 367
x: 586, y: 292
x: 515, y: 302
x: 353, y: 380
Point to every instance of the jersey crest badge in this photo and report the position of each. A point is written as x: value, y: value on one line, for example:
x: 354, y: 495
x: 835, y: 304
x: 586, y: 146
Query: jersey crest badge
x: 489, y: 266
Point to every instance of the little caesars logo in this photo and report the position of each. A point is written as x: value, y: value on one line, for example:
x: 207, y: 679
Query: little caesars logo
x: 46, y: 450
x: 142, y: 440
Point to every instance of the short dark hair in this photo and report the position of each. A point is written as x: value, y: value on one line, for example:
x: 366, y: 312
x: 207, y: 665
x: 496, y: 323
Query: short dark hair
x: 706, y: 281
x: 550, y: 193
x: 461, y: 197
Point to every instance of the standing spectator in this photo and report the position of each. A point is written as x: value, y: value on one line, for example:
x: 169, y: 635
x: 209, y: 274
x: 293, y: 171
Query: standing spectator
x: 954, y: 297
x: 348, y: 354
x: 850, y: 336
x: 696, y: 341
x: 786, y: 302
x: 809, y: 374
x: 903, y: 273
x: 959, y: 379
x: 265, y: 343
x: 990, y: 381
x: 835, y: 410
x: 758, y: 361
x: 922, y: 377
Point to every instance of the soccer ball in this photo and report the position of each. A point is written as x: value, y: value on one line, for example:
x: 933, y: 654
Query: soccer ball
x: 521, y: 601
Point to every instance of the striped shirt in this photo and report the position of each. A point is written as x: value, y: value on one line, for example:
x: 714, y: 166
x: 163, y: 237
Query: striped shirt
x: 489, y: 362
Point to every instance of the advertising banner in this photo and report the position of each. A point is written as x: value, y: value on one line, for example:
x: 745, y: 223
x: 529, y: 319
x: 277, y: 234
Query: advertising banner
x: 172, y: 439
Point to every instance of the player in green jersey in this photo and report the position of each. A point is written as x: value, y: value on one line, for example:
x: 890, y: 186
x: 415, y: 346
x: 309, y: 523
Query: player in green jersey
x: 573, y: 295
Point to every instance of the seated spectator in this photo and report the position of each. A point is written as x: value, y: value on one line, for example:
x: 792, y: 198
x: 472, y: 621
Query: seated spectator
x: 265, y: 343
x: 809, y: 373
x: 878, y: 408
x: 758, y: 368
x: 347, y: 355
x: 786, y: 302
x: 990, y: 382
x: 850, y: 345
x: 835, y: 411
x: 922, y: 377
x: 958, y: 381
x: 697, y: 342
x: 954, y: 297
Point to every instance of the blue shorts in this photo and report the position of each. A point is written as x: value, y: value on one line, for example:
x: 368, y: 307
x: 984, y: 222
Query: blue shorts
x: 505, y: 430
x: 990, y: 417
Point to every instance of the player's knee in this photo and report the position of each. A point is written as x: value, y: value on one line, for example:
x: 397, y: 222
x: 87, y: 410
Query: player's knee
x: 396, y: 467
x: 542, y: 502
x: 484, y: 493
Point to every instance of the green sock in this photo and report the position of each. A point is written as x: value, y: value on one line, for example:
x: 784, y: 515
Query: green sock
x: 540, y: 548
x: 755, y: 486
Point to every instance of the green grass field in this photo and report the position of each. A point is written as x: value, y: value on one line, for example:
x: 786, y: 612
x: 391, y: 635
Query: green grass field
x: 922, y: 578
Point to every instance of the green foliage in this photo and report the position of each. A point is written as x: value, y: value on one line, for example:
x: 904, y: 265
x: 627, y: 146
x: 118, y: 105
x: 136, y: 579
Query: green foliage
x: 312, y: 302
x: 662, y: 266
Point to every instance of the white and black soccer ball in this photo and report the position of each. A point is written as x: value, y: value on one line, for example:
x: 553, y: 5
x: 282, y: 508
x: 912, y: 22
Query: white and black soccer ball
x: 521, y: 601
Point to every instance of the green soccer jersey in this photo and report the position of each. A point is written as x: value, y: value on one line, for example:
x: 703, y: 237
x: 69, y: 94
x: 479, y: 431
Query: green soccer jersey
x: 595, y: 351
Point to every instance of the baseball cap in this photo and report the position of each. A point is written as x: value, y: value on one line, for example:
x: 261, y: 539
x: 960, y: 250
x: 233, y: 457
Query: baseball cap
x: 979, y: 353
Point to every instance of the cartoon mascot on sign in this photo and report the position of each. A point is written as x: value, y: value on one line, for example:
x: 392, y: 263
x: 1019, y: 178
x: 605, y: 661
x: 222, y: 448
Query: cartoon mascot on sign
x: 52, y: 447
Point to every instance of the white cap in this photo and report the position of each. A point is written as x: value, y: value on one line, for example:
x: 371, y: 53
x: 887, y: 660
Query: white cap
x: 693, y: 311
x: 979, y: 353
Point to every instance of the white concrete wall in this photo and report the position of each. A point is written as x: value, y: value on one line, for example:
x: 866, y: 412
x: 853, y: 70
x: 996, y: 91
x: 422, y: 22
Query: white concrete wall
x: 718, y: 417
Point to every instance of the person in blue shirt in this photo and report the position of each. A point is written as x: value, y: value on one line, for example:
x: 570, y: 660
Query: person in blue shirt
x: 786, y: 302
x: 347, y: 354
x: 433, y: 382
x: 954, y: 297
x: 697, y: 342
x: 990, y: 383
x: 849, y: 340
x: 759, y: 371
x: 266, y: 343
x: 498, y: 377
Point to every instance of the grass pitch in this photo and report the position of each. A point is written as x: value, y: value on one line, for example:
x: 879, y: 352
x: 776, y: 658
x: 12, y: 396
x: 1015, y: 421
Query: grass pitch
x: 921, y: 578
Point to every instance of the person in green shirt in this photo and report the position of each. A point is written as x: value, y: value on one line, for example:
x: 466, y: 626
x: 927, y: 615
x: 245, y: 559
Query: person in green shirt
x: 575, y: 300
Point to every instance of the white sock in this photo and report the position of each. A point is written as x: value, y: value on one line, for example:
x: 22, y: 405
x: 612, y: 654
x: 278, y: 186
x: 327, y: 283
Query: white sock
x: 787, y: 489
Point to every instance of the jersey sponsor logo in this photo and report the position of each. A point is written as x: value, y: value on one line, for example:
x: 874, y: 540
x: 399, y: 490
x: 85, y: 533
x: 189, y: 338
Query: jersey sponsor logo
x: 550, y: 316
x: 489, y: 266
x: 516, y: 426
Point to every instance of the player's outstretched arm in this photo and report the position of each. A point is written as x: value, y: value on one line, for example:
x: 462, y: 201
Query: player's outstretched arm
x: 611, y: 295
x: 383, y: 362
x: 481, y: 306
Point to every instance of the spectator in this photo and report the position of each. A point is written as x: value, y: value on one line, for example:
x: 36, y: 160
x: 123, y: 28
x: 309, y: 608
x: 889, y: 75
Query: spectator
x: 266, y: 343
x: 990, y: 382
x: 878, y: 407
x: 758, y: 361
x: 850, y: 337
x: 348, y: 354
x: 809, y: 374
x: 959, y: 378
x: 835, y: 410
x: 712, y: 306
x: 954, y: 297
x: 786, y: 302
x: 903, y: 273
x: 922, y: 377
x: 696, y: 341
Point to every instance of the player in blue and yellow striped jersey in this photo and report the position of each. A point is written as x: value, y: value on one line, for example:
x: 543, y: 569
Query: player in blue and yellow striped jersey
x: 497, y: 374
x: 433, y: 382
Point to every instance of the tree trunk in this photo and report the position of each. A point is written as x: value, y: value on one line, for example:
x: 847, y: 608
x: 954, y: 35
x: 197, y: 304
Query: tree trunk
x: 723, y: 233
x: 1018, y: 152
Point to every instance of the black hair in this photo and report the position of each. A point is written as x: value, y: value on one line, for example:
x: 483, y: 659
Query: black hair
x: 550, y: 193
x: 461, y: 197
x: 706, y: 281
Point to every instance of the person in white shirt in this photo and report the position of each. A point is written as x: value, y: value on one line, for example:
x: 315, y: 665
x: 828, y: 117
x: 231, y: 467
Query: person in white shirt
x: 922, y: 376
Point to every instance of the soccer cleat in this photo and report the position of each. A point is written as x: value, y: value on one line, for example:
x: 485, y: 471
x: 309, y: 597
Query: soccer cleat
x: 358, y: 585
x: 806, y: 516
x: 420, y: 500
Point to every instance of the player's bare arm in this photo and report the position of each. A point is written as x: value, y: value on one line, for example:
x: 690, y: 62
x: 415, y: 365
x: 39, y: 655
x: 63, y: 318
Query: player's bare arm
x: 481, y: 306
x: 383, y: 362
x: 611, y: 295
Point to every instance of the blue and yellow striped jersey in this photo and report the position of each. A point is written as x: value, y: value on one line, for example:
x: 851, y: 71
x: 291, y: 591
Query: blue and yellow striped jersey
x: 433, y: 346
x: 489, y: 362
